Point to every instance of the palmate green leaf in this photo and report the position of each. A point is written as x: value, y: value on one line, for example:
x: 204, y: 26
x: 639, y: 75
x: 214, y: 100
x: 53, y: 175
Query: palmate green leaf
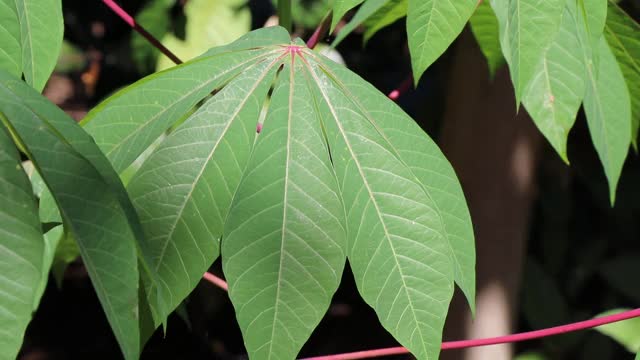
x: 622, y: 36
x: 21, y: 248
x: 486, y: 30
x: 608, y: 109
x: 90, y: 199
x: 340, y: 7
x: 554, y: 95
x: 334, y: 156
x: 626, y: 333
x: 10, y: 49
x: 184, y: 190
x: 527, y: 28
x: 283, y: 252
x: 432, y: 25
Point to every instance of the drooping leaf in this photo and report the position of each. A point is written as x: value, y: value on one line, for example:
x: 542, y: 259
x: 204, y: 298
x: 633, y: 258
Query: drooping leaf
x: 283, y: 253
x: 184, y: 190
x: 594, y: 13
x: 210, y: 23
x: 365, y: 11
x: 21, y: 248
x: 554, y: 95
x: 432, y: 25
x: 527, y: 28
x: 387, y: 15
x: 428, y: 167
x: 396, y: 248
x: 626, y: 332
x: 41, y: 31
x: 486, y: 30
x: 10, y: 48
x: 86, y: 191
x: 622, y: 36
x: 340, y: 7
x: 608, y: 110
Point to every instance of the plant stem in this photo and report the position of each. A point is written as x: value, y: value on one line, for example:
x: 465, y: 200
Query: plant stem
x: 284, y: 14
x: 529, y: 335
x: 321, y: 30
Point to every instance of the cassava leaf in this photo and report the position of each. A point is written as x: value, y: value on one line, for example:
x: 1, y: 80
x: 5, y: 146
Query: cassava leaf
x: 21, y: 248
x: 283, y: 253
x: 527, y: 28
x: 432, y: 25
x: 330, y: 143
x: 557, y: 88
x: 608, y: 109
x: 340, y: 7
x: 183, y: 191
x: 41, y: 31
x: 486, y: 30
x: 10, y: 48
x: 93, y: 207
x: 367, y: 9
x: 622, y: 36
x: 626, y: 333
x: 385, y: 16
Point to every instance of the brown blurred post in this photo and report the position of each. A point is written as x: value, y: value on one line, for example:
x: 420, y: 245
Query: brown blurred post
x: 494, y: 152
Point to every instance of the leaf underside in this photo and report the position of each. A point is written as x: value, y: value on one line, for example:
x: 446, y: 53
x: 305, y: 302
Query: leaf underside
x: 337, y: 171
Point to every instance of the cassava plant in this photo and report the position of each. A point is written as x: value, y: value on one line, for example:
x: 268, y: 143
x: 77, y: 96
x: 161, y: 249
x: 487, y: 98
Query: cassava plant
x: 284, y: 164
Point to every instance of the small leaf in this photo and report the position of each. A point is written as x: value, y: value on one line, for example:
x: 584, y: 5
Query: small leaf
x: 527, y: 28
x: 365, y: 11
x: 486, y: 30
x: 626, y: 332
x: 387, y: 15
x: 621, y: 33
x: 432, y: 25
x: 73, y: 167
x: 340, y: 7
x: 10, y: 48
x: 608, y: 110
x: 283, y: 253
x: 184, y: 190
x: 41, y: 32
x: 557, y: 88
x: 21, y: 248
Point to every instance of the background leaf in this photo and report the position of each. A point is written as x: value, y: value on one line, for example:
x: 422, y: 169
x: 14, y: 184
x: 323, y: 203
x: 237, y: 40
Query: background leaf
x: 364, y: 12
x: 41, y: 31
x: 626, y: 333
x: 432, y: 25
x: 621, y: 33
x: 387, y: 15
x: 557, y: 88
x: 607, y: 106
x: 340, y: 7
x: 486, y: 30
x: 21, y: 248
x: 10, y: 48
x: 106, y: 236
x: 155, y: 17
x: 283, y: 253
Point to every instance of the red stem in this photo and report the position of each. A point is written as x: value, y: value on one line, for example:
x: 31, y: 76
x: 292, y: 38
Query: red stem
x: 141, y: 30
x: 529, y: 335
x: 320, y: 31
x: 406, y: 85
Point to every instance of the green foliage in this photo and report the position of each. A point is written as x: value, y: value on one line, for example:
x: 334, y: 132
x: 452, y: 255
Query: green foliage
x: 386, y: 15
x: 626, y: 333
x: 156, y: 19
x: 340, y: 7
x: 210, y: 23
x: 73, y: 168
x: 30, y: 38
x: 486, y: 30
x: 21, y: 248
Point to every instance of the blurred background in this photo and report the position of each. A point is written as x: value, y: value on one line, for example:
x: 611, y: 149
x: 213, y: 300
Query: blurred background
x: 551, y: 250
